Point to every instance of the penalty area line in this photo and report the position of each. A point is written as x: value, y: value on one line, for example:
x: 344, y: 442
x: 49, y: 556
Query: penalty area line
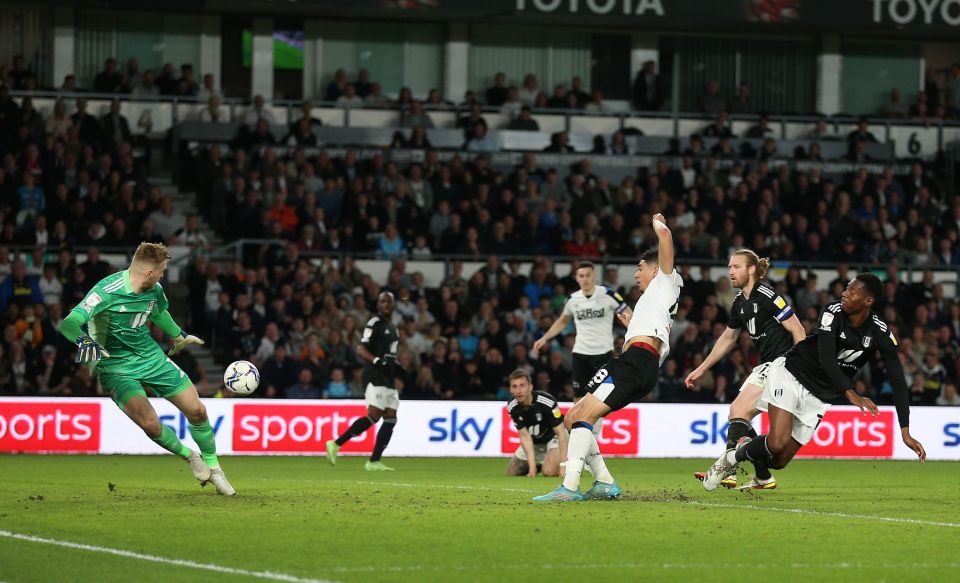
x: 164, y: 560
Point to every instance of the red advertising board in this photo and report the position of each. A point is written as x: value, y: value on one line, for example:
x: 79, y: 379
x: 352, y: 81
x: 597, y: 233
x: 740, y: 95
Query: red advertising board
x: 304, y: 428
x: 620, y: 434
x: 849, y: 433
x: 50, y: 426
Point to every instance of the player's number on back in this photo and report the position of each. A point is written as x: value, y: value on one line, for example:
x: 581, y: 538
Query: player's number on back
x: 139, y: 319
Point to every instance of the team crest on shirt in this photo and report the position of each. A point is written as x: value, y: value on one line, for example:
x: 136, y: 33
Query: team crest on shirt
x: 150, y: 305
x: 539, y: 417
x: 866, y: 341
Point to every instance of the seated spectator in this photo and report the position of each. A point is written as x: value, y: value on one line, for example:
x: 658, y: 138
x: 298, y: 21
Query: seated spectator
x: 186, y: 84
x: 742, y: 104
x: 212, y: 113
x: 862, y: 133
x: 596, y: 104
x: 761, y: 130
x: 435, y: 101
x: 895, y: 108
x: 58, y: 123
x: 577, y: 90
x: 820, y: 131
x: 363, y: 85
x: 559, y: 98
x: 19, y: 288
x: 69, y: 84
x: 337, y: 388
x: 131, y: 75
x: 304, y: 388
x: 711, y: 101
x: 257, y: 113
x: 415, y: 116
x: 720, y: 128
x: 481, y: 141
x: 114, y: 127
x: 512, y: 105
x: 301, y: 136
x: 559, y: 143
x: 497, y: 95
x: 524, y: 121
x: 88, y: 128
x: 349, y: 97
x: 376, y: 98
x: 529, y: 91
x: 147, y: 86
x: 209, y: 89
x: 109, y: 80
x: 167, y: 220
x: 337, y: 86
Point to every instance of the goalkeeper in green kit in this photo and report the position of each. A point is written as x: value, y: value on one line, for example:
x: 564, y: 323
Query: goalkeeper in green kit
x: 117, y: 341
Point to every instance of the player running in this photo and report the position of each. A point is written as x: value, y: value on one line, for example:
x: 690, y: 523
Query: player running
x: 378, y: 350
x: 543, y: 438
x: 627, y: 378
x: 774, y: 329
x: 592, y: 308
x: 109, y: 329
x: 817, y: 371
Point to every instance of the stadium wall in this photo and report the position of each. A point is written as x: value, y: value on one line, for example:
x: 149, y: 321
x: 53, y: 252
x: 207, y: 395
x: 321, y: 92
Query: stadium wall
x: 446, y: 429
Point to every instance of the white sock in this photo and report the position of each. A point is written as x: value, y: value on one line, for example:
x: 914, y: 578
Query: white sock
x: 596, y: 464
x: 597, y: 428
x: 577, y: 449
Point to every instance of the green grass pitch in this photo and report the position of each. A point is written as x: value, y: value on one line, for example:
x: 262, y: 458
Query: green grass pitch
x: 298, y: 519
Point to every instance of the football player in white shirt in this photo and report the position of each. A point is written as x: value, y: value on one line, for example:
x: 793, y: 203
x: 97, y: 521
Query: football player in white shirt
x: 627, y: 378
x: 592, y: 309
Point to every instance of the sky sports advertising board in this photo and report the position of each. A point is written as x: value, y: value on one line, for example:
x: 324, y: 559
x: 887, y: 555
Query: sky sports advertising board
x: 447, y: 429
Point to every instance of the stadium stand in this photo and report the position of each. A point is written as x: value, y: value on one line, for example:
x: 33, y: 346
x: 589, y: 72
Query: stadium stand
x: 472, y: 220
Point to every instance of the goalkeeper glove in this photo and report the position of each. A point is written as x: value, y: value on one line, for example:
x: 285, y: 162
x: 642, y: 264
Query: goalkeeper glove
x: 180, y: 342
x: 88, y: 350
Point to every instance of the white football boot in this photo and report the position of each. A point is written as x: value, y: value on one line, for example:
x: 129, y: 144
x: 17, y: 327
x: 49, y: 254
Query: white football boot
x: 200, y: 469
x: 220, y: 481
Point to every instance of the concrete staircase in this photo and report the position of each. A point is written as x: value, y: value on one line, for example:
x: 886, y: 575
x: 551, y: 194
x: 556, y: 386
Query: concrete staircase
x: 178, y: 294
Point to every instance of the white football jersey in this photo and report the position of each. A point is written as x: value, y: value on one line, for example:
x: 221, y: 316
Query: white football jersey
x: 654, y: 312
x: 593, y: 317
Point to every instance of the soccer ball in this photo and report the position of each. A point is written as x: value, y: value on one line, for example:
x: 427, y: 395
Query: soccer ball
x: 241, y: 377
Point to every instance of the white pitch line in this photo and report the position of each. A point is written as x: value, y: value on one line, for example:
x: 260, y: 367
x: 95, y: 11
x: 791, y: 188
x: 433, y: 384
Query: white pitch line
x: 153, y: 558
x: 633, y: 565
x: 825, y: 513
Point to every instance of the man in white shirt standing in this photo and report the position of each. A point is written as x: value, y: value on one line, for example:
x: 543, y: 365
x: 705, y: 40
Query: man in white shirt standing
x: 592, y: 309
x: 627, y: 378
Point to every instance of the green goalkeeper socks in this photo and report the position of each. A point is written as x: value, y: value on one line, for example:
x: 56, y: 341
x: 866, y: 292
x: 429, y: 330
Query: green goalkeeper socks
x: 205, y: 438
x: 168, y: 441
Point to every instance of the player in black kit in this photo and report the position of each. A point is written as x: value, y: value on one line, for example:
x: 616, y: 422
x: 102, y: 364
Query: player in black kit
x: 543, y: 438
x: 774, y: 329
x: 817, y: 371
x: 378, y: 350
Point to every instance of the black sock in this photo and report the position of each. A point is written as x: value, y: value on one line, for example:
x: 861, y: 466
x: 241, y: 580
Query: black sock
x: 383, y: 437
x: 738, y: 428
x: 761, y: 470
x: 755, y: 451
x: 358, y: 427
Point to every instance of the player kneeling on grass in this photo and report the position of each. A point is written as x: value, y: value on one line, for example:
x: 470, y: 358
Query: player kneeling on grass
x: 817, y: 371
x: 543, y: 438
x: 110, y: 331
x: 627, y: 378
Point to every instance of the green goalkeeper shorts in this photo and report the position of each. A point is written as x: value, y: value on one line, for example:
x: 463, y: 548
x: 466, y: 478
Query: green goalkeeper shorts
x: 165, y: 379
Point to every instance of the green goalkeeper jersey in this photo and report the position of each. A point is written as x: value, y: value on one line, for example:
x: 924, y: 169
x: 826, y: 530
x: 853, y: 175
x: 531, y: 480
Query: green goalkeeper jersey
x: 116, y: 318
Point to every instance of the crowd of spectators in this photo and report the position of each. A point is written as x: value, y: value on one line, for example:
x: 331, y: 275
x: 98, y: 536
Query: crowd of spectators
x: 67, y: 182
x: 70, y: 182
x: 459, y: 339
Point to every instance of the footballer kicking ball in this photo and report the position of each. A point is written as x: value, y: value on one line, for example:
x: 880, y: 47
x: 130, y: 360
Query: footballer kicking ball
x: 241, y: 377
